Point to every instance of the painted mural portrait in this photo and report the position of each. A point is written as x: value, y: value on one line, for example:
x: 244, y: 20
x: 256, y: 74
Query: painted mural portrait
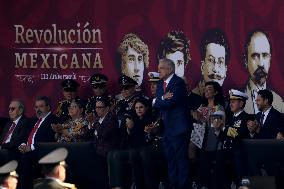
x: 175, y: 46
x: 257, y: 59
x: 134, y: 57
x: 215, y: 56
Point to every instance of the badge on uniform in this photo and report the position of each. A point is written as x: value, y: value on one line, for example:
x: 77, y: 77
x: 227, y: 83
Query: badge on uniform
x: 237, y: 123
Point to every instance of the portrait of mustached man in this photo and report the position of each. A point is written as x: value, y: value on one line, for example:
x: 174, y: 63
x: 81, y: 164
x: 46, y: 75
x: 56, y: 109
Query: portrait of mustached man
x: 134, y: 55
x: 257, y: 58
x: 215, y: 56
x: 175, y: 46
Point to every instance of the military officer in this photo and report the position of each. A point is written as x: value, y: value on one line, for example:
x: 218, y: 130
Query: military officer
x: 8, y: 175
x: 124, y: 108
x: 153, y: 79
x: 69, y: 87
x: 99, y: 85
x: 53, y: 167
x: 235, y: 130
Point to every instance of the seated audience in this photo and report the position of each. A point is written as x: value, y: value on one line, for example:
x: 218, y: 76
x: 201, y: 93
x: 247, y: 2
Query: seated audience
x: 75, y: 128
x: 40, y: 131
x: 16, y: 130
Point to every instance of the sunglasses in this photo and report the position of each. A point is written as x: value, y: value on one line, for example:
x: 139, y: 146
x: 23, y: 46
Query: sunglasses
x: 11, y: 108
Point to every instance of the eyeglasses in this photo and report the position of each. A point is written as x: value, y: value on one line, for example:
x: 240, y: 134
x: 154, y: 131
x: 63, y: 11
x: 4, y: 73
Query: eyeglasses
x: 11, y: 108
x: 126, y: 87
x: 100, y: 107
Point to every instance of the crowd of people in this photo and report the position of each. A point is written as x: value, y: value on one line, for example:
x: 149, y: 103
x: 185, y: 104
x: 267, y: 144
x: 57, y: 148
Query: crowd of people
x: 173, y: 139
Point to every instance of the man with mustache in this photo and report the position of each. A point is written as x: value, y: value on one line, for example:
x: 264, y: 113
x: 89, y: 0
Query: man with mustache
x: 215, y: 55
x: 257, y: 60
x: 40, y: 131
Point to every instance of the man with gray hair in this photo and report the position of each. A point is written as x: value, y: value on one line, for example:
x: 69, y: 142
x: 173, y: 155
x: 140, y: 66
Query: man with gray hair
x: 15, y: 131
x: 170, y: 99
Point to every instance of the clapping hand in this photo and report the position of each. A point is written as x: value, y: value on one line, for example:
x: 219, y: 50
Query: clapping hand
x: 168, y: 95
x: 253, y: 126
x: 148, y: 128
x: 23, y: 148
x: 198, y: 116
x: 217, y: 123
x: 129, y: 123
x: 279, y: 136
x: 56, y: 128
x: 91, y: 118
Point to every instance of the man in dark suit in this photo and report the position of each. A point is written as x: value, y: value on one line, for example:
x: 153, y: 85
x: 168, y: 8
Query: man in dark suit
x: 170, y: 99
x: 269, y: 122
x: 15, y: 131
x: 40, y: 131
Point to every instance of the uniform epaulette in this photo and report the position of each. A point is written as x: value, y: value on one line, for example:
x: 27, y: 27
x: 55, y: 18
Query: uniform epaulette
x: 68, y: 185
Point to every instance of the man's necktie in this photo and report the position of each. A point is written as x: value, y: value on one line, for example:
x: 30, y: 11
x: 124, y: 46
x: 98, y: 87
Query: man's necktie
x: 165, y: 86
x: 31, y: 136
x: 11, y: 129
x: 261, y: 119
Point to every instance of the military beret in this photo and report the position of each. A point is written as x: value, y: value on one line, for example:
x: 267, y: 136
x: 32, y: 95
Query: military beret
x: 98, y: 79
x: 153, y: 76
x: 125, y: 80
x: 9, y: 169
x: 235, y: 94
x: 55, y: 157
x: 70, y: 84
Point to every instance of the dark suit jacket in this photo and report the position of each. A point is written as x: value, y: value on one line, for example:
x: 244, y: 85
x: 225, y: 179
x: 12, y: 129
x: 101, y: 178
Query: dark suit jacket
x: 19, y: 135
x: 107, y: 137
x: 174, y: 111
x: 272, y: 125
x: 45, y: 132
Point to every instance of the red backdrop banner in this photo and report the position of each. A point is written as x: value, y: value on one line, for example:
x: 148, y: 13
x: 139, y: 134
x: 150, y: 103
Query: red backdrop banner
x: 44, y: 42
